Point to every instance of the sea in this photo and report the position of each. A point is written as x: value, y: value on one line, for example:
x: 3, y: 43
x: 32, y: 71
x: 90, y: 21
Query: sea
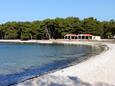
x: 20, y: 61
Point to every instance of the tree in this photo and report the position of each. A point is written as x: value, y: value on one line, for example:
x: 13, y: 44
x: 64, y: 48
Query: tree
x: 91, y: 26
x: 56, y: 28
x: 50, y: 27
x: 9, y: 30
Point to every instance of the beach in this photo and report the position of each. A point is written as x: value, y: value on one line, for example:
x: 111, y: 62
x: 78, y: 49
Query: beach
x: 97, y: 71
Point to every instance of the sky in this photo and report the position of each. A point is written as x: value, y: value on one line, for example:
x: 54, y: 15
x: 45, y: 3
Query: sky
x: 30, y: 10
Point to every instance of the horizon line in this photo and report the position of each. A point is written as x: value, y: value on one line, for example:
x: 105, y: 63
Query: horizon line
x: 31, y: 20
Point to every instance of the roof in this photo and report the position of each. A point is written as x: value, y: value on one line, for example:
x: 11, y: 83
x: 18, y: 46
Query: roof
x: 79, y: 35
x: 70, y: 35
x: 84, y: 35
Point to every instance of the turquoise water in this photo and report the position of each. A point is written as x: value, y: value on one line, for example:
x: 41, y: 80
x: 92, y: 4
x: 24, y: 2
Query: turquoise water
x: 19, y: 62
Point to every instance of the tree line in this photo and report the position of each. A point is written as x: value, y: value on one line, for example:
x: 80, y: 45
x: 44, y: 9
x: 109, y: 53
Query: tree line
x: 56, y: 28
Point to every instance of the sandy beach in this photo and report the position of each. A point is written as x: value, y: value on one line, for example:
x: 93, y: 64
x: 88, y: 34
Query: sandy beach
x: 51, y: 41
x: 99, y: 70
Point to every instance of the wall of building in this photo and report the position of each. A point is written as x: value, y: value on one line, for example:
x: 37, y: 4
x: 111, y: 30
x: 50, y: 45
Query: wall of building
x: 96, y: 37
x: 82, y: 37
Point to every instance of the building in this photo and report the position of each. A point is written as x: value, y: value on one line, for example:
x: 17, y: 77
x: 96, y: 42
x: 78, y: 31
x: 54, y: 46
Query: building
x: 70, y: 36
x: 85, y: 36
x: 81, y: 37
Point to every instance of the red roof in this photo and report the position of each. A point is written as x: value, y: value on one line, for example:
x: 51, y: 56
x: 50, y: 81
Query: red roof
x: 84, y: 35
x: 79, y: 35
x: 70, y: 35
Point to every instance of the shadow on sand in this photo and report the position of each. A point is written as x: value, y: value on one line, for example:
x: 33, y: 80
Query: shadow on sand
x: 49, y: 80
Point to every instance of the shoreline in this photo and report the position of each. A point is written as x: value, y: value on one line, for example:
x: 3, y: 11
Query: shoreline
x: 95, y: 70
x: 53, y: 41
x: 59, y: 41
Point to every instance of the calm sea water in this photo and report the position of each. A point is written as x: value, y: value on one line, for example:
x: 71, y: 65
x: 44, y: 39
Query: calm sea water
x: 19, y: 62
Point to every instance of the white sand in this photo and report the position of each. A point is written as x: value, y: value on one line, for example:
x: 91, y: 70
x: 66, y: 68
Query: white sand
x: 48, y: 41
x: 27, y: 41
x: 98, y: 69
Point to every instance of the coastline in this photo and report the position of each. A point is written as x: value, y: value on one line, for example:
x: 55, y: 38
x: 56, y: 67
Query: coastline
x: 53, y: 41
x: 98, y: 70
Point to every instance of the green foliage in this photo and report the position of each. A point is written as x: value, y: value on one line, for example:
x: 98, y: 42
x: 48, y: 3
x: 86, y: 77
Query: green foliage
x: 92, y: 26
x: 56, y: 28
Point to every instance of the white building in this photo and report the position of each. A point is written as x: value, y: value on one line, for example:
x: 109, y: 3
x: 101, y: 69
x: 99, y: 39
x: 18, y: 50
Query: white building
x: 81, y: 37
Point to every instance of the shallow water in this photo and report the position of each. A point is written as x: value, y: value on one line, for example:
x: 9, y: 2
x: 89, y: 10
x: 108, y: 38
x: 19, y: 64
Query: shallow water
x: 19, y: 62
